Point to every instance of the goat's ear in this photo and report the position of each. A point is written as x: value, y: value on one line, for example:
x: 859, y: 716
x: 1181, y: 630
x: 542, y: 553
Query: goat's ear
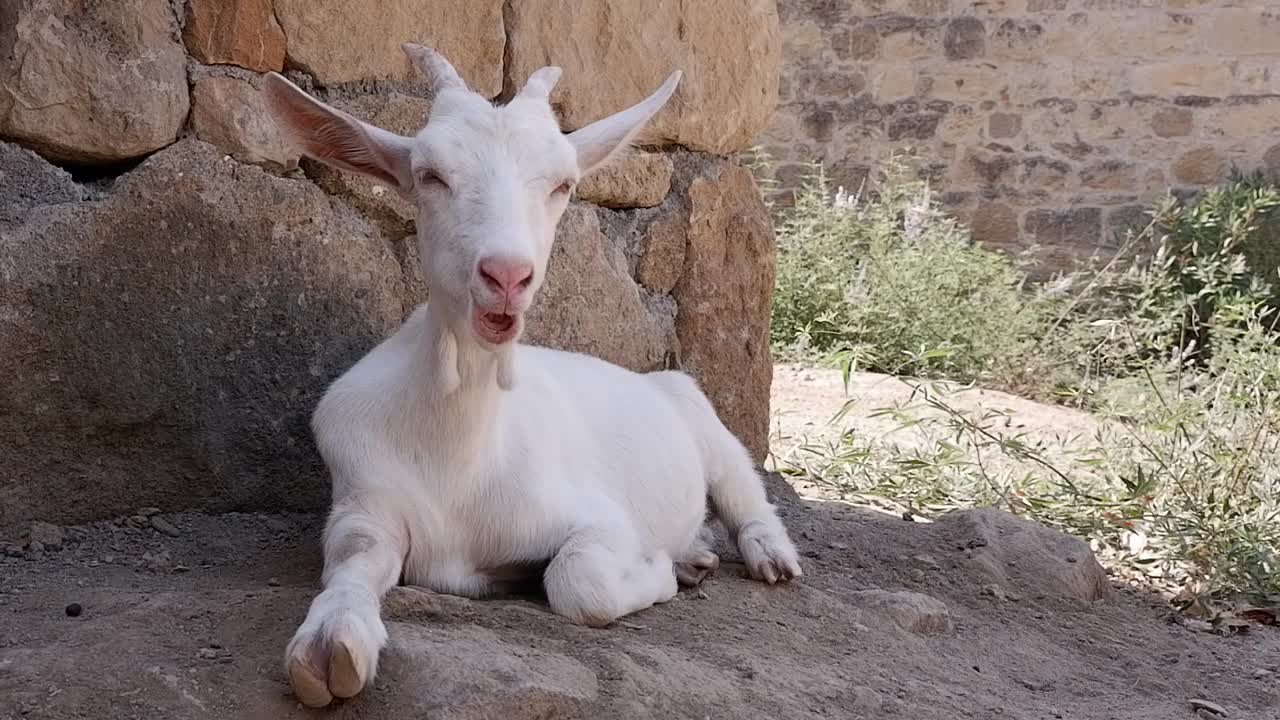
x: 335, y: 138
x: 599, y: 141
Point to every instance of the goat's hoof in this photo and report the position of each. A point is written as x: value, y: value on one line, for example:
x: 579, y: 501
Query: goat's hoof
x: 308, y: 685
x: 345, y: 680
x: 692, y: 571
x: 769, y: 557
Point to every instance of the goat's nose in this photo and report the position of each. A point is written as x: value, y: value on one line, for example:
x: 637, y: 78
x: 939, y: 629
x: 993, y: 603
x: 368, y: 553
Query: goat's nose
x: 506, y: 275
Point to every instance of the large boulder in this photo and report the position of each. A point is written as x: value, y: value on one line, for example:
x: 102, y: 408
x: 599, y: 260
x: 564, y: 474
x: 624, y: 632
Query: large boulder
x: 91, y: 82
x: 234, y: 32
x: 166, y: 344
x: 616, y: 53
x: 336, y: 45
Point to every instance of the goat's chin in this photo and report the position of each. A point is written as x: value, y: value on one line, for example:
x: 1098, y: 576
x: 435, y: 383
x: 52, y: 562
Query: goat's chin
x: 495, y: 330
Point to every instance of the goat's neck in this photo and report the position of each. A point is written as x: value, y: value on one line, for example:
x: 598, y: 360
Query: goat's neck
x: 459, y: 387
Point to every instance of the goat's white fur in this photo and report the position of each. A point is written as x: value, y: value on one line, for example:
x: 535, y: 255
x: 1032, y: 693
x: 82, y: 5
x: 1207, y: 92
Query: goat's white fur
x: 450, y: 471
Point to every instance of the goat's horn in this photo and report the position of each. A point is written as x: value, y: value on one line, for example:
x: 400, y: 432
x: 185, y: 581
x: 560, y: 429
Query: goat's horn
x: 541, y: 83
x: 439, y: 73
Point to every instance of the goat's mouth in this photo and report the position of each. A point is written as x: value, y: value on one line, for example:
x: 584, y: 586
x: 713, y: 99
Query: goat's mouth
x: 496, y: 328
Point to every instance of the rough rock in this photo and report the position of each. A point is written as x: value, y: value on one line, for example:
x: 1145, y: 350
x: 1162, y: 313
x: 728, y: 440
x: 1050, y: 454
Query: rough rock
x: 1018, y: 553
x: 730, y: 52
x: 229, y: 112
x: 589, y: 303
x: 632, y: 181
x: 912, y: 611
x: 166, y: 344
x: 48, y: 536
x: 65, y: 93
x: 725, y: 294
x: 26, y: 181
x: 336, y: 45
x: 235, y: 32
x: 1199, y: 166
x: 661, y: 261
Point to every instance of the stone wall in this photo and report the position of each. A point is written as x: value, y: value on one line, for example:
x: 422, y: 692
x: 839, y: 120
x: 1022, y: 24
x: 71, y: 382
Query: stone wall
x: 179, y: 287
x: 1040, y: 121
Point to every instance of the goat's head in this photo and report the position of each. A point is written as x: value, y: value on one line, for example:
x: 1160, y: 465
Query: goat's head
x: 490, y: 182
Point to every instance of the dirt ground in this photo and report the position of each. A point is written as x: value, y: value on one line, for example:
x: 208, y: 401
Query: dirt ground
x: 978, y: 615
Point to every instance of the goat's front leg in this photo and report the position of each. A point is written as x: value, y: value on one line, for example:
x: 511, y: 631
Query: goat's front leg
x: 602, y: 573
x: 335, y: 651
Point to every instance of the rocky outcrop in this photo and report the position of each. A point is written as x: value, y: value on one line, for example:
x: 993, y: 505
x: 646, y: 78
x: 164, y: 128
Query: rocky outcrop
x: 170, y: 317
x: 336, y: 43
x: 234, y: 32
x: 91, y: 82
x: 729, y: 50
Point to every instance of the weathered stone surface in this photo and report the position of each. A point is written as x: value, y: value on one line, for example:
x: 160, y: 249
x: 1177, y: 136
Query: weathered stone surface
x: 1004, y: 125
x: 1123, y: 219
x: 27, y: 181
x: 729, y: 50
x: 662, y: 254
x: 1077, y: 227
x: 632, y: 181
x: 1200, y: 166
x: 230, y: 113
x: 725, y: 295
x: 1271, y: 158
x: 1055, y: 104
x: 1016, y: 552
x: 234, y: 32
x: 166, y: 345
x: 965, y: 38
x: 1109, y: 175
x: 995, y: 223
x: 1172, y: 122
x: 91, y: 82
x: 590, y: 304
x: 337, y: 45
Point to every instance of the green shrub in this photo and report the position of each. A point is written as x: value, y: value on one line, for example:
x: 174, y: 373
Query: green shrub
x: 890, y: 281
x: 1177, y: 352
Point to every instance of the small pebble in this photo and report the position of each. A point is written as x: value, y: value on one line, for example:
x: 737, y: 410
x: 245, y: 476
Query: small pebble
x: 273, y: 582
x: 994, y: 591
x: 837, y: 546
x: 1261, y: 673
x: 36, y: 547
x: 1206, y: 706
x: 148, y: 511
x: 164, y: 526
x: 702, y: 595
x: 74, y: 610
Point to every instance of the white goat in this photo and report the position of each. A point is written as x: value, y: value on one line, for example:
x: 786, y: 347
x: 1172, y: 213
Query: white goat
x: 450, y: 474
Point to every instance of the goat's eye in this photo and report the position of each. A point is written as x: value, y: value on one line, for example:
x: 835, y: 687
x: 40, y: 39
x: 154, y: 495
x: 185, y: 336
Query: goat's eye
x: 430, y: 178
x: 563, y: 188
